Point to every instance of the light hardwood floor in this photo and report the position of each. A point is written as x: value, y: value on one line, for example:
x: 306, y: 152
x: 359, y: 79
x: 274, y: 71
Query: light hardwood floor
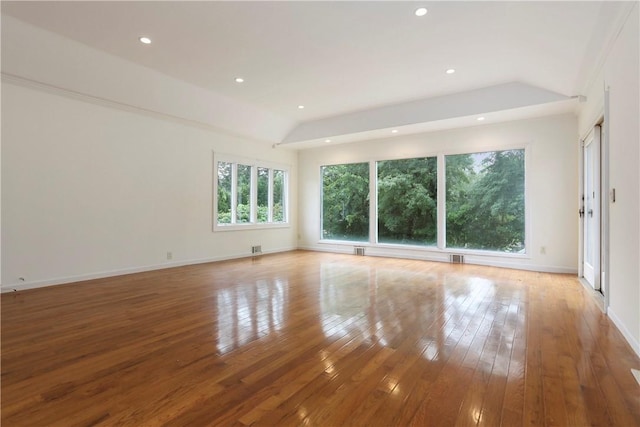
x: 316, y: 339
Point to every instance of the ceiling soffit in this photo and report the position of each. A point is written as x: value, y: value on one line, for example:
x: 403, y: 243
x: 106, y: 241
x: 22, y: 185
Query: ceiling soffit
x: 499, y: 98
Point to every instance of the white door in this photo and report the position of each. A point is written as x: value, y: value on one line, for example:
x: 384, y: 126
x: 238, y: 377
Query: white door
x: 591, y: 209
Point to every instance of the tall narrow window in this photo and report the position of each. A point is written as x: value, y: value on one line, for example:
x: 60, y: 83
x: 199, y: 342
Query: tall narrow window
x: 485, y: 201
x: 263, y: 195
x: 279, y: 200
x: 345, y: 202
x: 243, y: 206
x: 407, y: 201
x: 224, y: 193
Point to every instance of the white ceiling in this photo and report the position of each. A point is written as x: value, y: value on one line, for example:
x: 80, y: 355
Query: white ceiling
x: 338, y: 58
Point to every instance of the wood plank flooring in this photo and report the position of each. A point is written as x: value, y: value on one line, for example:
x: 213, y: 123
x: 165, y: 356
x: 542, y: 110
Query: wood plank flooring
x: 315, y: 339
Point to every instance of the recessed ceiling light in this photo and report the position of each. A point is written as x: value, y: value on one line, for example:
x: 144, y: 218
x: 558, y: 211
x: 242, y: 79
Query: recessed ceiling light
x: 394, y: 131
x: 327, y: 140
x: 421, y: 11
x: 300, y: 107
x: 145, y: 40
x: 450, y: 71
x: 480, y: 119
x: 239, y: 80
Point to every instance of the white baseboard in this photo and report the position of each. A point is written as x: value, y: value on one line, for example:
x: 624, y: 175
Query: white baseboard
x: 112, y: 273
x: 493, y: 261
x: 527, y: 267
x: 633, y: 341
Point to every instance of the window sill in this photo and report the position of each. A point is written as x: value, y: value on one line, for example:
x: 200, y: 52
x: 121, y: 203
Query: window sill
x: 250, y: 226
x: 429, y: 249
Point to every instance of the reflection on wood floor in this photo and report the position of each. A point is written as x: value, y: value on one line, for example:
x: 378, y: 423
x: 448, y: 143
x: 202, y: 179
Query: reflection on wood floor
x: 316, y: 339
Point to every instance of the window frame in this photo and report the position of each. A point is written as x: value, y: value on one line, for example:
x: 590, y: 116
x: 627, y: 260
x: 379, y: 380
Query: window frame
x: 441, y: 203
x: 254, y: 164
x: 371, y: 201
x: 442, y: 190
x: 376, y: 239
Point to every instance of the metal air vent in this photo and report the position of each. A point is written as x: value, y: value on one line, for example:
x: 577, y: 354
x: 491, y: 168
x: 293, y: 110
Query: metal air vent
x: 456, y: 259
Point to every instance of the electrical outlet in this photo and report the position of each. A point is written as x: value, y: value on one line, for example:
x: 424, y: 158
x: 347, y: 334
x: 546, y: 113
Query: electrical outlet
x: 169, y: 255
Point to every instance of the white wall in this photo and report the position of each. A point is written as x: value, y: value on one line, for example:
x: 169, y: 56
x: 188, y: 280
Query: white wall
x: 620, y: 75
x: 42, y: 56
x: 552, y: 185
x: 91, y: 189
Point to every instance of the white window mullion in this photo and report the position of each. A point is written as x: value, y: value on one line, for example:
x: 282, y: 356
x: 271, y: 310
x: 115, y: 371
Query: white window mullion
x: 373, y: 202
x: 285, y: 196
x: 441, y: 205
x: 270, y: 196
x: 253, y: 191
x: 234, y: 191
x: 216, y: 177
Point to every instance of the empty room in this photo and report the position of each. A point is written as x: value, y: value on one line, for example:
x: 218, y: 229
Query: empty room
x: 363, y: 213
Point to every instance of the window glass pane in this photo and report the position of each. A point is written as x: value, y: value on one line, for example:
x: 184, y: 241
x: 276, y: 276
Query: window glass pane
x: 279, y: 207
x: 243, y: 207
x: 224, y: 193
x: 407, y: 201
x: 485, y: 201
x: 250, y: 195
x: 263, y: 194
x: 345, y: 202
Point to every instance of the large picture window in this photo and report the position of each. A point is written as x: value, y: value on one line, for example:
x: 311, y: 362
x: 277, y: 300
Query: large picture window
x: 249, y: 195
x: 485, y: 201
x: 407, y: 201
x: 345, y: 202
x: 482, y: 201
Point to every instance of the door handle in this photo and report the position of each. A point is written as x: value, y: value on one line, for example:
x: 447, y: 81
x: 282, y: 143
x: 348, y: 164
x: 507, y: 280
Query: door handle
x: 590, y: 212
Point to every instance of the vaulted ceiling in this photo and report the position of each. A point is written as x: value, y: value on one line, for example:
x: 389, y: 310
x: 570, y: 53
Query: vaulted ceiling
x: 359, y: 68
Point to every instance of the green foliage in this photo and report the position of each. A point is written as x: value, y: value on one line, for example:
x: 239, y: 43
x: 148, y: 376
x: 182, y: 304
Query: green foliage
x: 243, y: 208
x: 224, y: 193
x: 263, y: 194
x: 243, y: 211
x: 485, y: 201
x: 407, y: 201
x: 345, y: 202
x: 278, y: 196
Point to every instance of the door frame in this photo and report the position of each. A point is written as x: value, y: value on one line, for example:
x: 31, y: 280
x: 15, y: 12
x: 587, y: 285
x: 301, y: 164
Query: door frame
x: 606, y: 198
x: 604, y: 194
